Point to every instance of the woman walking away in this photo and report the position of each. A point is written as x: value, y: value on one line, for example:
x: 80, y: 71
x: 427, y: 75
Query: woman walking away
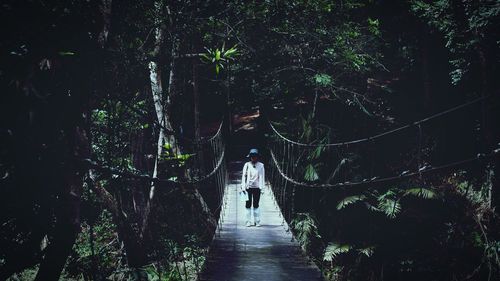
x: 252, y: 181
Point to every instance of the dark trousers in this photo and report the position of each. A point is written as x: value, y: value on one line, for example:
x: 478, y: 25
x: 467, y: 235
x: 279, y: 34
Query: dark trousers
x: 253, y: 197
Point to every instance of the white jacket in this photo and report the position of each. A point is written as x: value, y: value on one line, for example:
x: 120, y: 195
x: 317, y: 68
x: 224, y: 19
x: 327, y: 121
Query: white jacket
x: 253, y: 176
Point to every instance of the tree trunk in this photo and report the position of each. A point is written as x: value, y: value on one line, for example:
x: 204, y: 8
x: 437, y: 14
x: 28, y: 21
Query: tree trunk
x: 197, y: 129
x: 68, y: 215
x: 134, y: 248
x: 161, y: 107
x: 137, y: 154
x: 172, y: 92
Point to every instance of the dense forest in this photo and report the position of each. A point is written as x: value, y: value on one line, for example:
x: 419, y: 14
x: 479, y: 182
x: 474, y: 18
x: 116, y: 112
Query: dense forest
x: 111, y: 110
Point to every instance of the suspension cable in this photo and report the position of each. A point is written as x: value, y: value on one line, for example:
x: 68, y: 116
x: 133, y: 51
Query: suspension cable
x: 416, y: 123
x: 132, y: 175
x: 386, y: 179
x: 127, y: 174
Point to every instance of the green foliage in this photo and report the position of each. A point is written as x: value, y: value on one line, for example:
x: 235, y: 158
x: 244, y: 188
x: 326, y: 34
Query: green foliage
x: 367, y: 252
x: 66, y: 53
x: 26, y: 274
x: 464, y: 37
x: 333, y: 250
x: 390, y: 207
x: 106, y: 247
x: 219, y: 57
x: 310, y: 173
x: 316, y: 153
x: 349, y: 200
x: 322, y: 80
x: 389, y: 204
x: 421, y: 192
x: 305, y: 229
x: 374, y: 26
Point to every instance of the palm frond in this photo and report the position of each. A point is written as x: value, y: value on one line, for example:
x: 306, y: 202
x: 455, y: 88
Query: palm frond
x: 349, y: 201
x: 390, y: 207
x: 368, y: 251
x: 421, y: 192
x: 311, y: 174
x: 333, y: 250
x: 305, y: 229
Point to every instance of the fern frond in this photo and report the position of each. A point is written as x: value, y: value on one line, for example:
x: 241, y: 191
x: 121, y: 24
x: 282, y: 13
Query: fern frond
x: 390, y: 207
x: 305, y: 229
x: 349, y: 201
x: 334, y: 249
x: 316, y: 153
x: 368, y: 251
x: 336, y: 172
x: 421, y: 192
x: 311, y: 174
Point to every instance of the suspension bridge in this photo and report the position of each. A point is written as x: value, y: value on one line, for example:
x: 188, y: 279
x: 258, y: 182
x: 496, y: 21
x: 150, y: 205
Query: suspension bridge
x: 271, y: 252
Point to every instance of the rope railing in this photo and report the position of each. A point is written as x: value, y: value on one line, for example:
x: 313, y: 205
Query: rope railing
x: 337, y: 166
x: 215, y: 142
x: 385, y: 179
x: 208, y: 154
x: 132, y: 175
x: 357, y: 141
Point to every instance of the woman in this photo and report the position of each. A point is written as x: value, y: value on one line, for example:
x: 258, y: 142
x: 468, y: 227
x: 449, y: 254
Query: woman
x: 252, y: 181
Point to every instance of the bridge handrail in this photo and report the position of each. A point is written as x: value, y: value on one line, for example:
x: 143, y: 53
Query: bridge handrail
x: 386, y: 179
x: 127, y: 174
x: 132, y: 175
x: 416, y: 123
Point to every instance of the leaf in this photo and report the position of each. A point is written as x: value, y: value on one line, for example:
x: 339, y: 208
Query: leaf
x: 368, y: 251
x: 311, y: 174
x: 184, y: 157
x: 167, y: 146
x: 305, y: 229
x: 341, y: 164
x: 333, y: 250
x: 421, y: 192
x: 390, y: 207
x: 316, y: 153
x: 66, y: 53
x: 229, y: 53
x: 349, y: 201
x: 322, y: 79
x: 205, y: 58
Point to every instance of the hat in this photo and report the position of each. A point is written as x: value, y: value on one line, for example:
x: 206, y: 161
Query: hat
x: 253, y: 151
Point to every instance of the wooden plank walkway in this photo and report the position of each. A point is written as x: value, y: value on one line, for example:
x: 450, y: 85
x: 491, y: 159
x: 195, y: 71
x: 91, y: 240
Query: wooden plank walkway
x: 265, y: 253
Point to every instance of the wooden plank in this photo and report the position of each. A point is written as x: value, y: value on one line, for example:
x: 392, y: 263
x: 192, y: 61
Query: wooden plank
x: 265, y: 253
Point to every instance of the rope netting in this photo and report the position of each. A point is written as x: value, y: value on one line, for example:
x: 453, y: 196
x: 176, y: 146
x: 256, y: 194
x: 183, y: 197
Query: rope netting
x: 406, y: 153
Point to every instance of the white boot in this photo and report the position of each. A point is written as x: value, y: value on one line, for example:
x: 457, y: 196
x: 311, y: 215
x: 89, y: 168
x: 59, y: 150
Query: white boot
x: 249, y: 217
x: 256, y: 216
